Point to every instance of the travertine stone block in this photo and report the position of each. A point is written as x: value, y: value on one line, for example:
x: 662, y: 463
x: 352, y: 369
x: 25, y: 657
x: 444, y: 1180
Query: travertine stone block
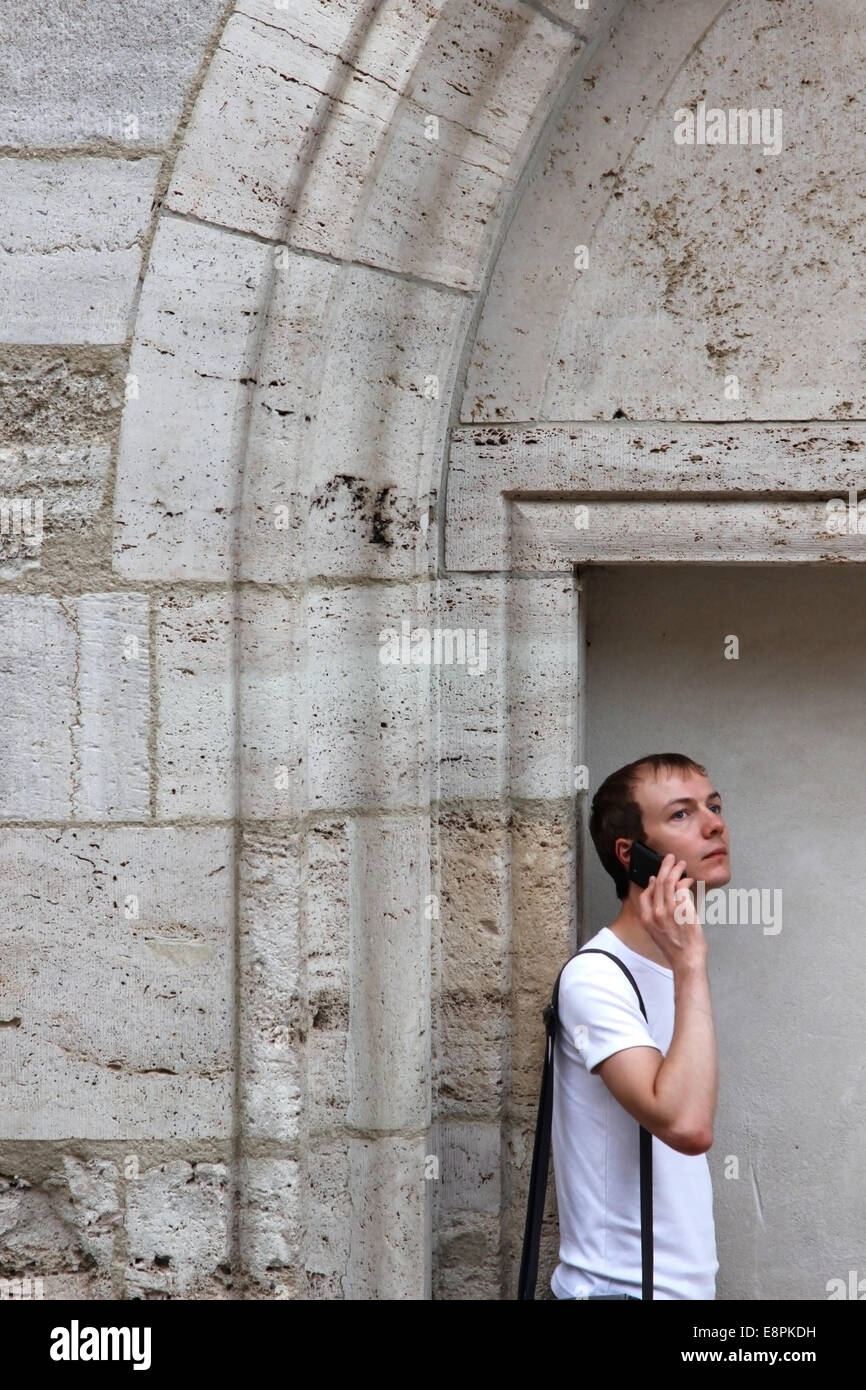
x: 111, y: 735
x: 388, y: 1043
x: 466, y: 1258
x: 277, y: 484
x: 46, y: 490
x: 445, y: 137
x: 196, y: 737
x: 137, y: 921
x: 382, y: 416
x: 79, y: 74
x: 182, y: 437
x: 330, y: 1219
x: 292, y: 60
x: 272, y: 639
x: 38, y: 697
x: 58, y: 1228
x: 274, y: 1017
x: 73, y: 234
x: 366, y: 745
x: 472, y: 1037
x: 543, y: 930
x: 177, y: 1227
x: 469, y: 1168
x: 390, y: 1220
x: 543, y: 672
x: 475, y: 868
x: 327, y: 954
x: 272, y: 1227
x: 470, y: 998
x: 471, y: 695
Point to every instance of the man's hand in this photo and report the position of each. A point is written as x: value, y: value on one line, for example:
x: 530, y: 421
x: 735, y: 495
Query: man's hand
x: 668, y: 913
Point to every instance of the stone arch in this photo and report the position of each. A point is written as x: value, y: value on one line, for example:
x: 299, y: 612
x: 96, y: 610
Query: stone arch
x: 270, y: 393
x: 722, y: 479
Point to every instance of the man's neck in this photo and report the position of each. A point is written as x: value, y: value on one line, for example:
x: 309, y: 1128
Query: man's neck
x: 632, y: 933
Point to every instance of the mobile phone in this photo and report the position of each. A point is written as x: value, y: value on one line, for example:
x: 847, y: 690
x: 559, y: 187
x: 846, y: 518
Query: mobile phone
x: 643, y: 863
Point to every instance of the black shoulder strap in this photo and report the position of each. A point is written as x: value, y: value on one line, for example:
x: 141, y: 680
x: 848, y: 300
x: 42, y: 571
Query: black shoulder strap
x: 541, y: 1156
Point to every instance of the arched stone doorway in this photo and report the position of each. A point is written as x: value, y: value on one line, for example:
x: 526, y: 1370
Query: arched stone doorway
x: 355, y: 404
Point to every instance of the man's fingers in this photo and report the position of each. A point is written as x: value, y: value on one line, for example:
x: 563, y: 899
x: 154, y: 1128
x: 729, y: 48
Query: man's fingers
x: 664, y: 878
x: 672, y: 880
x: 644, y: 902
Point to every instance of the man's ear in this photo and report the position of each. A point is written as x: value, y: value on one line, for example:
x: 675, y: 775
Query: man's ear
x: 622, y: 850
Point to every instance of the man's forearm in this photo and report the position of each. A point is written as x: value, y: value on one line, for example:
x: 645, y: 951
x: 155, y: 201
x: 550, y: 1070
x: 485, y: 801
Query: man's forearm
x: 687, y: 1083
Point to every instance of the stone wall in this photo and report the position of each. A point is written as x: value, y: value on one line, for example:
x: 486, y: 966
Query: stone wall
x: 280, y: 917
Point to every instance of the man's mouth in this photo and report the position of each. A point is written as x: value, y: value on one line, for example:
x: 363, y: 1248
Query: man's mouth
x: 715, y: 853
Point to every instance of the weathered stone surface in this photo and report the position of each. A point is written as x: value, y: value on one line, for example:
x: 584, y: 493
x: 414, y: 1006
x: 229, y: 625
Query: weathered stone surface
x: 45, y: 491
x: 330, y: 1219
x: 62, y: 1229
x: 364, y: 128
x: 177, y: 1217
x: 150, y: 1056
x: 389, y: 1199
x: 466, y: 1257
x: 73, y: 235
x: 543, y: 877
x: 195, y: 741
x: 182, y: 437
x: 762, y: 531
x: 315, y: 500
x: 517, y: 1143
x: 70, y: 694
x: 675, y: 322
x: 277, y: 483
x: 78, y: 1287
x: 469, y: 1169
x: 470, y: 996
x: 292, y: 59
x: 368, y: 473
x: 272, y: 1228
x: 476, y: 153
x: 274, y: 1016
x: 388, y: 1043
x: 57, y: 396
x: 59, y: 411
x: 272, y: 639
x: 328, y: 921
x: 111, y: 734
x: 365, y: 746
x: 595, y: 465
x: 706, y: 262
x: 472, y: 1034
x: 543, y: 673
x: 37, y: 694
x: 474, y: 872
x: 472, y: 698
x: 591, y: 19
x: 328, y: 924
x: 77, y: 74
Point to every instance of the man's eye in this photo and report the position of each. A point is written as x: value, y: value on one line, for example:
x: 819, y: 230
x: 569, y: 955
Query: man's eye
x: 678, y: 813
x: 716, y: 808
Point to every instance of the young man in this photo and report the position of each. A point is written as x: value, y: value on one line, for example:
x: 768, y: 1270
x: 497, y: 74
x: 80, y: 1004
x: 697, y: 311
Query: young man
x: 614, y: 1071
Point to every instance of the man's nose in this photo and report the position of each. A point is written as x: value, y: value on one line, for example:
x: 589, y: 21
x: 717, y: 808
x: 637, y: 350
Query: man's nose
x: 712, y: 824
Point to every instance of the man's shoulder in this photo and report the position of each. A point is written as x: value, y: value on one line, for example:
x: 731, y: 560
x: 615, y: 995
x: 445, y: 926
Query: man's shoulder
x: 592, y: 962
x: 597, y: 951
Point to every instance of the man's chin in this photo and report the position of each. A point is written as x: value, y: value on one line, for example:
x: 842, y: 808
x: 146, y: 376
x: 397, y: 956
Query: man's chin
x: 715, y: 874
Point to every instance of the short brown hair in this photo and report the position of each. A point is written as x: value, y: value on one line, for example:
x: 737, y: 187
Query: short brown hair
x: 616, y: 815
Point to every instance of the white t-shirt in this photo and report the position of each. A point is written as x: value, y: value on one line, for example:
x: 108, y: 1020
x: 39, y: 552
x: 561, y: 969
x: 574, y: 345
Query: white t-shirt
x: 596, y: 1143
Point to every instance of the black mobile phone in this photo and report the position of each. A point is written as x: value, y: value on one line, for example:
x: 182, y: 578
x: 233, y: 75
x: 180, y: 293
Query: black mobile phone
x: 643, y: 863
